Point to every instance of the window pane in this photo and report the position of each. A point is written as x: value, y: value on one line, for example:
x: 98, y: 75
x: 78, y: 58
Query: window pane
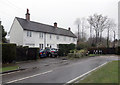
x: 30, y: 34
x: 27, y: 33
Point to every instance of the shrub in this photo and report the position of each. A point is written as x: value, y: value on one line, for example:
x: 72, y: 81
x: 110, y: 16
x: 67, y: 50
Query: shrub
x: 118, y: 50
x: 77, y: 54
x: 82, y: 45
x: 8, y: 53
x: 64, y: 49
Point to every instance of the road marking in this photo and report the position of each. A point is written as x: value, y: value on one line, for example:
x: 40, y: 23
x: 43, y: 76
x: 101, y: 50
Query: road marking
x: 73, y: 80
x: 29, y: 76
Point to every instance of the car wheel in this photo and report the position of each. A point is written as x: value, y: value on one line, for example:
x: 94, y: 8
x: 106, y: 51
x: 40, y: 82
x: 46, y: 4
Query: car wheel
x: 49, y: 55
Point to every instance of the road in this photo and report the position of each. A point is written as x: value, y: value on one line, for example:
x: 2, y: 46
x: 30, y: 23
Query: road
x: 60, y: 74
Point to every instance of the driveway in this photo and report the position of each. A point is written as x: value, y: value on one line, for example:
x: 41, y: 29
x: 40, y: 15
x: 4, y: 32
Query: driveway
x: 57, y: 72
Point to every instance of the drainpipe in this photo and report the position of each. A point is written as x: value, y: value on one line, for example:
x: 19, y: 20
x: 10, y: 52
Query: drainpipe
x: 44, y: 40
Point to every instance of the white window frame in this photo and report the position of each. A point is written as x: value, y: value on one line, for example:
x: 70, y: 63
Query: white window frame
x: 41, y: 46
x: 64, y: 38
x: 50, y: 36
x: 57, y: 37
x: 29, y: 34
x: 41, y: 35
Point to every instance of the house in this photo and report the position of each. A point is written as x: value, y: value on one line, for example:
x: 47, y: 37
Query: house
x: 33, y: 34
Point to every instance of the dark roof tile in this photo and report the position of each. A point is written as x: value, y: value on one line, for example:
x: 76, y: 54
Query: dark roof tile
x: 39, y: 27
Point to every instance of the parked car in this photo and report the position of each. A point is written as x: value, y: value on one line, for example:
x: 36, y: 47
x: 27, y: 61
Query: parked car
x: 42, y: 53
x: 51, y: 52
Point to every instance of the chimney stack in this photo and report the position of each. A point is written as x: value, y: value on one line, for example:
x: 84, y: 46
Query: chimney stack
x: 55, y: 25
x: 28, y: 15
x: 69, y: 28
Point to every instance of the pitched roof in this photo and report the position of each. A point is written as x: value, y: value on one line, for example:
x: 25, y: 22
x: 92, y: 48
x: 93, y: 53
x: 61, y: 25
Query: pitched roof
x: 39, y: 27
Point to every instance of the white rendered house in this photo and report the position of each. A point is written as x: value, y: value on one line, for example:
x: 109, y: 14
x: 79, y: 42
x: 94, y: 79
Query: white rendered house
x: 33, y: 34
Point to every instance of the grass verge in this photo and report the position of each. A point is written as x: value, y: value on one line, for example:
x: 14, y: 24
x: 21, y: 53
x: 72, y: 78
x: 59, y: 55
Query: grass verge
x: 106, y: 74
x: 3, y: 69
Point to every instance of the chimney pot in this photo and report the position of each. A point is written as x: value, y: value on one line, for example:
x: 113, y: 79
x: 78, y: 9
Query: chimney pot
x: 55, y: 25
x: 28, y: 15
x: 69, y: 28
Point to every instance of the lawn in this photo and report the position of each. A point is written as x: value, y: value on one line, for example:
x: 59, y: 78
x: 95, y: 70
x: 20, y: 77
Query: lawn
x: 3, y: 69
x: 92, y: 55
x: 105, y: 74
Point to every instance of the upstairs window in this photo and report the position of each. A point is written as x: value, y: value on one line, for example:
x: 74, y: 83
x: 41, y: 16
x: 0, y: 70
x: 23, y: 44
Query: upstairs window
x: 73, y: 39
x: 64, y: 38
x: 69, y: 38
x: 29, y: 34
x: 50, y: 36
x: 57, y: 37
x: 40, y: 35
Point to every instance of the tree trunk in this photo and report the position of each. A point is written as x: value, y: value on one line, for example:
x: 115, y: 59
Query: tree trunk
x: 101, y: 37
x: 114, y: 39
x: 90, y: 31
x: 96, y: 37
x: 78, y: 33
x: 108, y: 39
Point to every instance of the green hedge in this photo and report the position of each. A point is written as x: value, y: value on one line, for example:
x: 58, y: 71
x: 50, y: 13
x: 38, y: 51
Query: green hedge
x: 64, y: 49
x: 103, y: 49
x: 33, y: 53
x: 118, y: 50
x: 26, y: 53
x: 21, y: 53
x: 8, y: 53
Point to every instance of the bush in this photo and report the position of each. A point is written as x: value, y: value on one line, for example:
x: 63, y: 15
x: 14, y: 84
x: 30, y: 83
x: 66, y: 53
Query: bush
x: 82, y: 45
x: 64, y: 49
x: 78, y: 54
x: 118, y: 50
x: 8, y: 53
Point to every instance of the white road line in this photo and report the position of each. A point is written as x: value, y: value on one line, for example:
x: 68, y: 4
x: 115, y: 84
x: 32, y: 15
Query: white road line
x: 29, y: 76
x: 73, y: 80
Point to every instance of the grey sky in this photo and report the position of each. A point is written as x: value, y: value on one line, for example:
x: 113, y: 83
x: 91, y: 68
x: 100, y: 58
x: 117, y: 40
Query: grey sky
x: 64, y: 12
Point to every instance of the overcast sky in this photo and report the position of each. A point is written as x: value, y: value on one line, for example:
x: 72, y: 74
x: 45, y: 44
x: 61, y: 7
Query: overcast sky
x: 64, y: 12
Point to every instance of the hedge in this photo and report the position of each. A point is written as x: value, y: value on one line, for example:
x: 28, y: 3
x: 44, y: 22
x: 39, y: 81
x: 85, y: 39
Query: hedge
x: 26, y: 53
x: 21, y: 53
x: 33, y: 53
x: 118, y: 50
x: 103, y: 49
x: 8, y: 53
x: 11, y: 52
x: 64, y: 49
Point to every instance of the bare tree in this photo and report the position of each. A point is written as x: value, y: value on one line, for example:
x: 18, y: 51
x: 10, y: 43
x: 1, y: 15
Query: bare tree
x: 84, y: 26
x: 111, y: 27
x: 81, y: 25
x: 77, y: 22
x: 98, y: 23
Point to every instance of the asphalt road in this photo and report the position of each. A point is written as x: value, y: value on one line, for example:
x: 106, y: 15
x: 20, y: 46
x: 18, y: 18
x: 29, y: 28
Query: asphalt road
x: 59, y: 74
